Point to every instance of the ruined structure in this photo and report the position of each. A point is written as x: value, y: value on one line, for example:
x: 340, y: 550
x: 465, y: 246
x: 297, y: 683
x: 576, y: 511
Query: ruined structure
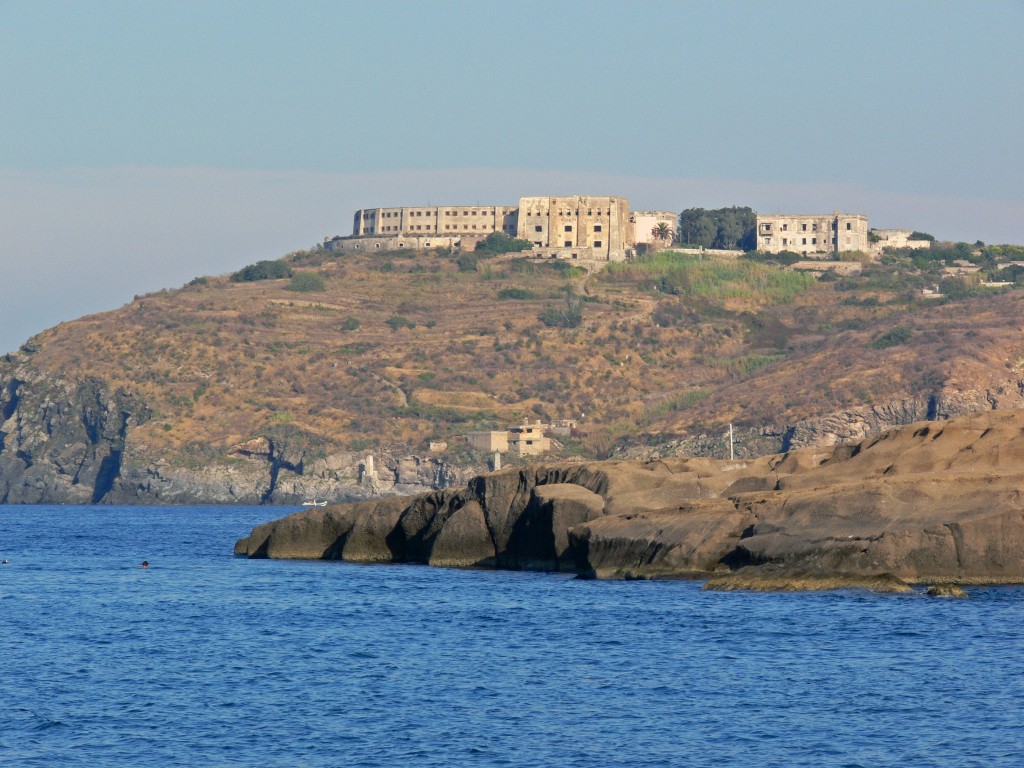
x: 571, y: 227
x: 895, y: 238
x: 830, y: 233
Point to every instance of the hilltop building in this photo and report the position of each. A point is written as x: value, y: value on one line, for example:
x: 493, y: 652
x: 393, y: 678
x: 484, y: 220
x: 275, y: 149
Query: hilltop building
x: 831, y: 233
x: 569, y: 227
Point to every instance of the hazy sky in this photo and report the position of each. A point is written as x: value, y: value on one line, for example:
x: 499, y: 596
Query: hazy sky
x: 145, y: 143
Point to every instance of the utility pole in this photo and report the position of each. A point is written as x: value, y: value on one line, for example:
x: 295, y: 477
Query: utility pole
x: 732, y: 455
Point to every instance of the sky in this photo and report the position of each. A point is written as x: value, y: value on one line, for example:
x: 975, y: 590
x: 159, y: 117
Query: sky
x: 143, y: 143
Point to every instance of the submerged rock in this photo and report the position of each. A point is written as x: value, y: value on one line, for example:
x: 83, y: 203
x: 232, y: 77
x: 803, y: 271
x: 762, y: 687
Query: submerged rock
x: 946, y: 590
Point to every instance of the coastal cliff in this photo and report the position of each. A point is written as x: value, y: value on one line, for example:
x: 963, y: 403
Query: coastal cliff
x: 248, y: 392
x: 930, y: 502
x: 70, y: 441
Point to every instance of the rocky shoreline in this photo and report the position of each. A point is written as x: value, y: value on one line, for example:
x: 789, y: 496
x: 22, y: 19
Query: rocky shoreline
x: 930, y: 503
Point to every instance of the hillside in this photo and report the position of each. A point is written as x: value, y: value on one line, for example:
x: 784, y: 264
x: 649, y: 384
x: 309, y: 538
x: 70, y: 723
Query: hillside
x: 249, y: 391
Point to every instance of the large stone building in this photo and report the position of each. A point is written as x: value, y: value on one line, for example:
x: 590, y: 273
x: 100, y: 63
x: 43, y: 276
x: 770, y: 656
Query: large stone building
x: 572, y: 227
x: 444, y: 220
x: 830, y: 233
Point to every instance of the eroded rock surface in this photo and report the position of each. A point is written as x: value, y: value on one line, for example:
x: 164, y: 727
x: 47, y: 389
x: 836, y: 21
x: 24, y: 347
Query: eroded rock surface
x: 934, y: 501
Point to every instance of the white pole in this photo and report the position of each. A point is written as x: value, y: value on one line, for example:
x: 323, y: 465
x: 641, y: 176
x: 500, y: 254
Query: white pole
x: 732, y: 455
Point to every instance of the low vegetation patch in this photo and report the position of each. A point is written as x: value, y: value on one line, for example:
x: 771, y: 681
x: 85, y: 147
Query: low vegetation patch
x: 518, y: 294
x: 306, y: 282
x: 262, y: 270
x: 892, y: 338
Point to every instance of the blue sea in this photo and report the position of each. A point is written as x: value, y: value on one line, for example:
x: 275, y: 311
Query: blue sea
x: 204, y: 659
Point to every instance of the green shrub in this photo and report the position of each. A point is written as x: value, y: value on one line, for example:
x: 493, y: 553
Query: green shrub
x: 397, y: 321
x: 520, y: 294
x: 262, y: 270
x: 892, y: 338
x: 561, y: 318
x: 350, y: 324
x: 306, y: 282
x: 499, y: 242
x: 467, y: 262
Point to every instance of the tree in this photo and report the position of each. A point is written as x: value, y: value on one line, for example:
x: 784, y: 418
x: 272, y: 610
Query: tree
x: 499, y: 242
x: 663, y: 231
x: 728, y: 228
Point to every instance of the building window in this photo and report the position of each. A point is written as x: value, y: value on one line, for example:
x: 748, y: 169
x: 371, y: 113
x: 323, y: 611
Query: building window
x: 597, y: 227
x: 804, y: 227
x: 847, y: 225
x: 804, y: 241
x: 785, y: 227
x: 814, y: 241
x: 597, y: 243
x: 568, y: 243
x: 766, y: 227
x: 538, y: 228
x: 568, y: 227
x: 814, y: 227
x: 785, y: 241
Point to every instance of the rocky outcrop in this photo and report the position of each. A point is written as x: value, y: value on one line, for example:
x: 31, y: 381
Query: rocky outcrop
x: 842, y: 426
x: 931, y: 502
x: 70, y: 441
x: 62, y: 440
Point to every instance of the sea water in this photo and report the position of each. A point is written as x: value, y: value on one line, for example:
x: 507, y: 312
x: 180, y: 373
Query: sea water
x: 204, y: 659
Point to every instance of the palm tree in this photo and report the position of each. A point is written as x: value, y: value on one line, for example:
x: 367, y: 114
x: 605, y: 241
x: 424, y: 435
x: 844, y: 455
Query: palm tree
x: 662, y: 231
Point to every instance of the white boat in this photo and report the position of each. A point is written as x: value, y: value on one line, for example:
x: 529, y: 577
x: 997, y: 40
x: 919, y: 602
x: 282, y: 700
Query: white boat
x: 314, y: 503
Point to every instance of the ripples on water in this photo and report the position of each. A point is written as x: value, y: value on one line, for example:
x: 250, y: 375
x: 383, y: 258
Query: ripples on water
x: 208, y: 660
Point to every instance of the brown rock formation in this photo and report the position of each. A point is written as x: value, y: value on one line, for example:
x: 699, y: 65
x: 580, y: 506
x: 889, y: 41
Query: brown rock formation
x: 932, y: 502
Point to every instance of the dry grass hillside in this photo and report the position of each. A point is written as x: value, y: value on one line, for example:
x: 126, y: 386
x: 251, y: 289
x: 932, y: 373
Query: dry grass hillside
x: 400, y: 349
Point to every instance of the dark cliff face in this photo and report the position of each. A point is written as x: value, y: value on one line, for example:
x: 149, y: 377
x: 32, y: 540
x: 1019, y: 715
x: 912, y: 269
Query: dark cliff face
x: 69, y: 441
x: 62, y: 440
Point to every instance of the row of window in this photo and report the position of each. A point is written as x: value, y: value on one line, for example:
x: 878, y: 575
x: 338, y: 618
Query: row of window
x: 410, y: 214
x: 429, y: 228
x: 803, y: 227
x: 568, y: 228
x: 590, y: 212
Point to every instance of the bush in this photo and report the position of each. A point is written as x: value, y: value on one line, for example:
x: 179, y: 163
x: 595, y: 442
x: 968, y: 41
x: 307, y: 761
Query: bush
x: 467, y: 262
x: 499, y: 242
x: 306, y: 282
x: 397, y: 321
x: 350, y: 324
x: 560, y: 318
x: 519, y: 294
x: 262, y: 270
x: 892, y: 338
